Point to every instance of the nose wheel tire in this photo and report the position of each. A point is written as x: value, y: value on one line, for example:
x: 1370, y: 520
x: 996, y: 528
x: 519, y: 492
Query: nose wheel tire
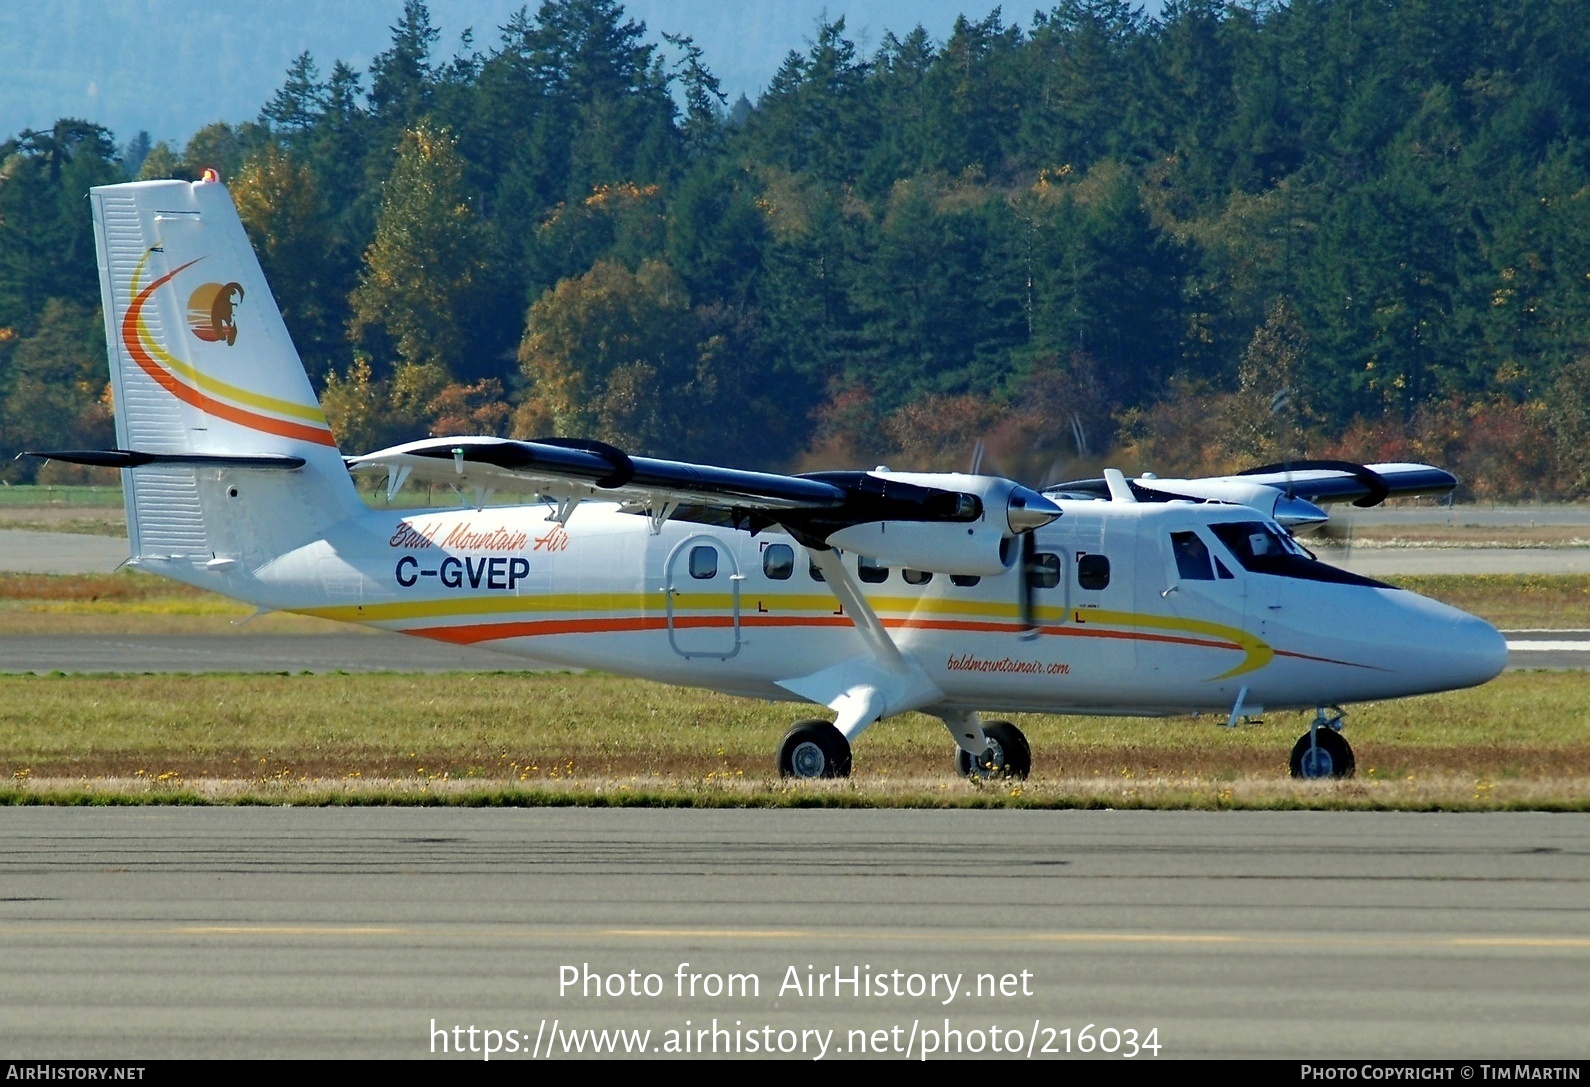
x: 1008, y: 755
x: 1322, y: 753
x: 814, y: 749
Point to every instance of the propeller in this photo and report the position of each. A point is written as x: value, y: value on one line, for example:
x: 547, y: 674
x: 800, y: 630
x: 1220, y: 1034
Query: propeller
x: 1025, y: 609
x: 1337, y: 533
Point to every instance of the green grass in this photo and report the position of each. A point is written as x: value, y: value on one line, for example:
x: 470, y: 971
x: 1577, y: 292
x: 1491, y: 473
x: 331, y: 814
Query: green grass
x: 1510, y: 601
x: 66, y: 495
x: 533, y: 739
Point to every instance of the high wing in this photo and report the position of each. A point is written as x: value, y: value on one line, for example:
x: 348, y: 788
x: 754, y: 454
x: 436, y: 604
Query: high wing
x: 1291, y: 493
x: 813, y: 507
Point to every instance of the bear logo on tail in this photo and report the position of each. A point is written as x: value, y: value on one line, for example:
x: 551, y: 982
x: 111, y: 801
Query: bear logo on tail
x: 210, y: 312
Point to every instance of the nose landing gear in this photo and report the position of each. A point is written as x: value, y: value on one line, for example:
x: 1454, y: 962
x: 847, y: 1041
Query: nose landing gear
x: 1323, y: 752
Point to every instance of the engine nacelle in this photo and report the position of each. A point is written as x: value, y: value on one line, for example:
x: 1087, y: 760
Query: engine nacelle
x: 977, y: 548
x: 984, y: 547
x: 1288, y: 510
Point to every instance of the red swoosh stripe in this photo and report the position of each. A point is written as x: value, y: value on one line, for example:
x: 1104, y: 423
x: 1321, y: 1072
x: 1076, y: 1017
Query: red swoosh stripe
x: 195, y: 397
x: 475, y: 633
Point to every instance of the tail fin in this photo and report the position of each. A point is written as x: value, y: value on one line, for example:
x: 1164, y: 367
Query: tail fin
x: 204, y: 374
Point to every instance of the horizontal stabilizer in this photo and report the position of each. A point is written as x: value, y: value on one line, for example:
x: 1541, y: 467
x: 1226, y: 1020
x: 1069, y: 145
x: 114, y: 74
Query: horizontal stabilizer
x: 132, y: 458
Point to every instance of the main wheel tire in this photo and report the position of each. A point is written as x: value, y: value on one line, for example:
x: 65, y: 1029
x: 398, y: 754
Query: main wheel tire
x: 814, y: 749
x: 1008, y: 754
x: 1330, y: 757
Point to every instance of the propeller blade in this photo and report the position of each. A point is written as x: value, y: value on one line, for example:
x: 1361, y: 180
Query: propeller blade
x: 1029, y: 562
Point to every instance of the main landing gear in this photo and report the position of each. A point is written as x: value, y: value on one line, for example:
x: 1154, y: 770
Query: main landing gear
x: 1323, y: 752
x: 814, y: 749
x: 1007, y: 755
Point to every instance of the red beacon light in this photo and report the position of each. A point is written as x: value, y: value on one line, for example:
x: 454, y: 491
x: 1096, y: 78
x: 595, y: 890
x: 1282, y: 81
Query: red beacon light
x: 211, y: 174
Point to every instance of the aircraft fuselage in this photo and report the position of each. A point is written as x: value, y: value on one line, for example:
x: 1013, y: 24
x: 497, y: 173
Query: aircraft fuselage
x: 1123, y: 625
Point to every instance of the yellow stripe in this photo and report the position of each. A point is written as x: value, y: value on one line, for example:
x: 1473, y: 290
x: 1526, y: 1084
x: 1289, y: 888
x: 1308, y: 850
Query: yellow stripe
x: 644, y: 603
x: 498, y: 605
x: 216, y: 387
x: 1258, y: 653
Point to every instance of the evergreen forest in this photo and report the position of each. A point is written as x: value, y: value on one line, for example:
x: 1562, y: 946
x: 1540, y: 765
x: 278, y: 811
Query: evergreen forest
x: 1231, y: 234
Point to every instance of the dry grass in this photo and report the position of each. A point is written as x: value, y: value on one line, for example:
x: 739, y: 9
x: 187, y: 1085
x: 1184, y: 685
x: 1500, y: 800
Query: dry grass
x: 129, y: 602
x: 1453, y: 793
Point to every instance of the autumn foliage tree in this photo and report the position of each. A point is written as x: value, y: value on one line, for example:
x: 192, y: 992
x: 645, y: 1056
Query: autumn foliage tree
x: 413, y: 296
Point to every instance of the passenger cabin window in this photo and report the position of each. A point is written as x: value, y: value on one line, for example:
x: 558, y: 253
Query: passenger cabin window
x: 778, y: 561
x: 703, y: 562
x: 965, y: 581
x: 1193, y: 561
x: 871, y: 571
x: 811, y: 568
x: 916, y: 577
x: 1093, y: 571
x: 1043, y: 572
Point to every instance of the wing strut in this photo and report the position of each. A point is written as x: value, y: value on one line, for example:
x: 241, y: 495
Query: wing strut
x: 862, y: 690
x: 843, y: 586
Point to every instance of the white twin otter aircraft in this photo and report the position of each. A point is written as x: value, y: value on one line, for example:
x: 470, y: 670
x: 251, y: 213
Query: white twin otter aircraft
x: 870, y: 593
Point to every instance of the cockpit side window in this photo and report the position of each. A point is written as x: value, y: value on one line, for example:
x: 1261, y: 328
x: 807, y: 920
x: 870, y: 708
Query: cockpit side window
x: 1193, y: 561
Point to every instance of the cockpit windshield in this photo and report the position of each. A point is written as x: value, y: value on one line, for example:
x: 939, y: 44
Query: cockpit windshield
x: 1255, y: 544
x: 1264, y: 548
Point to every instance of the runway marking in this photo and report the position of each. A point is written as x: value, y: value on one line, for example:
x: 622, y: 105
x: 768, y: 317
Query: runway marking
x: 1543, y: 646
x: 1556, y: 943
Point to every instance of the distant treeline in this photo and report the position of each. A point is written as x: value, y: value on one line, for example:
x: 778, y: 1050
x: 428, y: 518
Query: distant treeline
x: 1235, y: 233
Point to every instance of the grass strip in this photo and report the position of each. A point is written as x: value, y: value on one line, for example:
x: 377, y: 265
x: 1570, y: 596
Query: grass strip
x: 1517, y: 743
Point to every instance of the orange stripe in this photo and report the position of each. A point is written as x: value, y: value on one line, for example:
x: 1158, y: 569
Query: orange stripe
x: 196, y: 397
x: 474, y: 633
x: 490, y: 632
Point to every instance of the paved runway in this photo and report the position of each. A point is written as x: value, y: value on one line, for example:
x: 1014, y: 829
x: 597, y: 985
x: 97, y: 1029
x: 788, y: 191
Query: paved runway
x: 60, y: 552
x: 1556, y: 649
x: 1390, y: 561
x: 134, y: 933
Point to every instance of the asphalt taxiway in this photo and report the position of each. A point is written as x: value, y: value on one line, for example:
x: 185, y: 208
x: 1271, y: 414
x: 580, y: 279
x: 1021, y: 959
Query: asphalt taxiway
x: 134, y: 933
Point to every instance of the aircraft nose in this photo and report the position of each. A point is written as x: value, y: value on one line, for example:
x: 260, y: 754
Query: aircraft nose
x: 1471, y: 652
